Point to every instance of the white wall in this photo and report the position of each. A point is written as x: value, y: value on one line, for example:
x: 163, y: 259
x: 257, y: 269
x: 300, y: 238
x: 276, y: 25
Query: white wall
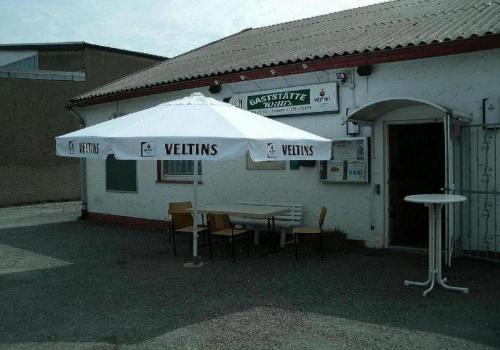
x: 457, y: 82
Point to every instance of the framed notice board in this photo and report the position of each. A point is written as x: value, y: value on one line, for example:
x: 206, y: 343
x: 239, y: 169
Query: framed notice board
x: 350, y: 162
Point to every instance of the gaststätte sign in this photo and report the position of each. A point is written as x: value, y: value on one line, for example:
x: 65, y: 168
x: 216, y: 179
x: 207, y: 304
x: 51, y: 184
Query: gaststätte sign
x: 295, y: 100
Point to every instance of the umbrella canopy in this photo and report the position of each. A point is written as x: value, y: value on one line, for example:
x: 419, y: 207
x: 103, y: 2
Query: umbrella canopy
x: 194, y: 127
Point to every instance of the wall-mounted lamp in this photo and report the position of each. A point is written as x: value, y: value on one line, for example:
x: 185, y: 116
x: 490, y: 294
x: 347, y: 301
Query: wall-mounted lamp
x: 215, y: 87
x: 352, y: 128
x: 364, y: 71
x: 242, y: 77
x: 342, y: 77
x: 304, y: 66
x: 272, y: 71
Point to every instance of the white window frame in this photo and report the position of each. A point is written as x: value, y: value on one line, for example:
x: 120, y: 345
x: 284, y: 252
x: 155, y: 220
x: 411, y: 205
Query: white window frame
x: 183, y: 173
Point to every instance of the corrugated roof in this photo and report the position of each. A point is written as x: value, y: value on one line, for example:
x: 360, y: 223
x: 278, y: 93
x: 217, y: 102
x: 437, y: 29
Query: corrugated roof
x: 384, y: 26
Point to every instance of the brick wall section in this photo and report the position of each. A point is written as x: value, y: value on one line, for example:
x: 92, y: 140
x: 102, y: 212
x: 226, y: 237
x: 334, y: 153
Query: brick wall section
x: 32, y: 113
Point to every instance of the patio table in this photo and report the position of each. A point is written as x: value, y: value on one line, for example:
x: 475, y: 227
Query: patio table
x: 435, y: 203
x: 245, y: 211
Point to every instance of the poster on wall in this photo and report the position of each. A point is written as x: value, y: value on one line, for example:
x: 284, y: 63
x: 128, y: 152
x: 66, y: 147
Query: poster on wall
x: 349, y: 162
x: 336, y: 170
x: 306, y: 99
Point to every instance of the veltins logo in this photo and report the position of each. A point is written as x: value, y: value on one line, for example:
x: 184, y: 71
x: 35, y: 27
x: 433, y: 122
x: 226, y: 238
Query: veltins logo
x: 71, y: 147
x: 322, y: 98
x: 271, y: 150
x: 238, y: 103
x: 147, y: 149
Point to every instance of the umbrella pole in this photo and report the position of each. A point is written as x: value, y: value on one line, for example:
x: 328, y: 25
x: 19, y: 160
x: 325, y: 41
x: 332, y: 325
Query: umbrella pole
x: 195, y: 212
x: 196, y: 262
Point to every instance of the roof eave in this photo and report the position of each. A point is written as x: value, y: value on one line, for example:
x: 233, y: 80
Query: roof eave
x: 491, y: 41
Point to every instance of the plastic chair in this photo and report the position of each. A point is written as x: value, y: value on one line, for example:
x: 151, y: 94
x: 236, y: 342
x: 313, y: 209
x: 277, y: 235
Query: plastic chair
x: 181, y: 221
x: 220, y: 225
x: 310, y: 231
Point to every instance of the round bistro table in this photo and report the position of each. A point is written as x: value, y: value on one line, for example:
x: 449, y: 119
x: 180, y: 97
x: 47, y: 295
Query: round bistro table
x: 435, y: 203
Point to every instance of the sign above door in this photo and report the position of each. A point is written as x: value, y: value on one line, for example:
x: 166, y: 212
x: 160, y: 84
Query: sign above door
x: 307, y: 99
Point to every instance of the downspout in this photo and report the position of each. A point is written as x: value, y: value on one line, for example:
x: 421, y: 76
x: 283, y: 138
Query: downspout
x: 83, y: 167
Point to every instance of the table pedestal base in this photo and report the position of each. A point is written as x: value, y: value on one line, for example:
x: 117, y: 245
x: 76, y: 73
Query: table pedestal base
x: 435, y: 255
x: 431, y: 281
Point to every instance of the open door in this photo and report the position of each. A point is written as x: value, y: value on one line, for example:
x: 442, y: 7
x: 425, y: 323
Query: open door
x: 416, y: 166
x: 404, y: 160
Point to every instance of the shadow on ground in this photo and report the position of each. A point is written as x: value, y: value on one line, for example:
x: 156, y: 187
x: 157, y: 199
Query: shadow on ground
x: 123, y: 286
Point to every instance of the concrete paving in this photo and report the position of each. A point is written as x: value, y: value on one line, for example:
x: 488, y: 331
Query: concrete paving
x: 20, y: 260
x: 38, y: 214
x: 110, y: 287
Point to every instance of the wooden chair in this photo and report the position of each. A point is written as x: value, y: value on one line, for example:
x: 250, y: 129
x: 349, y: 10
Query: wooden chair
x: 310, y: 231
x: 181, y: 221
x: 220, y: 225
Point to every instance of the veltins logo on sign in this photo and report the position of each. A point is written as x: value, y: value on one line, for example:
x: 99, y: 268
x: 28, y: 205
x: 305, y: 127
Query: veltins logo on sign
x: 71, y: 147
x: 322, y: 98
x: 147, y: 149
x: 271, y: 150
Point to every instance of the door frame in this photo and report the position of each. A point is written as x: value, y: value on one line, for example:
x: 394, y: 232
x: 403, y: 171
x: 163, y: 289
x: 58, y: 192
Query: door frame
x: 386, y: 177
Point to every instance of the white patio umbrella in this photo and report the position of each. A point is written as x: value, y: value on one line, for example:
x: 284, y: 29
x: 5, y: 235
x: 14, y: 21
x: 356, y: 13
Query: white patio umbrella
x: 193, y: 128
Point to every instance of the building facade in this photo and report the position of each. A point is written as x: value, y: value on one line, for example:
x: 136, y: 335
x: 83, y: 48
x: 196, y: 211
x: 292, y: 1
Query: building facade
x: 36, y: 82
x: 406, y: 119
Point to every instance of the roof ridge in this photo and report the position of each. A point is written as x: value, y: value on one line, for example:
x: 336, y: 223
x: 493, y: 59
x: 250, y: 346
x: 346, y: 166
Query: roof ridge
x: 474, y: 5
x: 369, y: 25
x: 323, y: 15
x: 329, y: 14
x: 213, y: 42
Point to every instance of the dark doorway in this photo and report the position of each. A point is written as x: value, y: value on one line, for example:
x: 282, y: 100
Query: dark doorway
x: 416, y: 165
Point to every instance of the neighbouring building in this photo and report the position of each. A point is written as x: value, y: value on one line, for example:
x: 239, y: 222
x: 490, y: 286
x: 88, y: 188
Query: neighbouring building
x: 36, y: 82
x: 408, y: 90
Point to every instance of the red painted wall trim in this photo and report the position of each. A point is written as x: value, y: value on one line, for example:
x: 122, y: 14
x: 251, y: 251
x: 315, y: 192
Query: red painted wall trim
x: 128, y: 221
x: 402, y: 54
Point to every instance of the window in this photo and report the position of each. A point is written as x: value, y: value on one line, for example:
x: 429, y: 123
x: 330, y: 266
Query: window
x: 177, y: 170
x: 121, y: 175
x: 24, y: 65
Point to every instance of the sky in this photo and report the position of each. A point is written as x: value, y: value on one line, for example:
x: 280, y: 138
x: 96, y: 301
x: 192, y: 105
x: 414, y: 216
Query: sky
x: 162, y: 27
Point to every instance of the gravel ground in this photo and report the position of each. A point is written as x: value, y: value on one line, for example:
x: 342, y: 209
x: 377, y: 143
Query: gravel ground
x: 271, y: 328
x: 121, y: 288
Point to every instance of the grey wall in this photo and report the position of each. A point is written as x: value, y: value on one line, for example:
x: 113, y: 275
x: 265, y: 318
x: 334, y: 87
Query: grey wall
x: 32, y: 113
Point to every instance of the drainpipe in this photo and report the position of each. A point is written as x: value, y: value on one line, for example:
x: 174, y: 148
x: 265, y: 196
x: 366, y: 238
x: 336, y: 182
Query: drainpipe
x: 83, y: 167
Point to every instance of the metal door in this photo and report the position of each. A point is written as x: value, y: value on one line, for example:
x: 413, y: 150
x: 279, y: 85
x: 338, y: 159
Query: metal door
x: 476, y: 171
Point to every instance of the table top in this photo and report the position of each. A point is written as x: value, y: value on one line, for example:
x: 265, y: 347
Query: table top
x: 435, y: 198
x: 242, y: 210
